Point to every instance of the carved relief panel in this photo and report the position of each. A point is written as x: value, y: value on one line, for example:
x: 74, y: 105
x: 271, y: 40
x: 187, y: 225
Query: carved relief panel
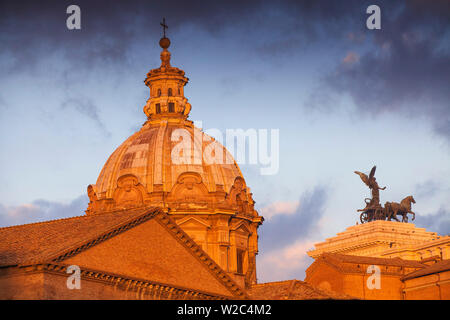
x: 189, y: 192
x: 129, y: 192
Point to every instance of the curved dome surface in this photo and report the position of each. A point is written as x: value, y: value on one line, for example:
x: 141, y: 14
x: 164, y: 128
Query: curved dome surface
x: 145, y: 171
x: 147, y: 154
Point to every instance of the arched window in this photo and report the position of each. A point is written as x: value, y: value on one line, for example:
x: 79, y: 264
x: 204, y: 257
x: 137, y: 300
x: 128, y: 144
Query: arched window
x: 159, y: 92
x: 158, y: 108
x: 171, y: 107
x: 169, y: 93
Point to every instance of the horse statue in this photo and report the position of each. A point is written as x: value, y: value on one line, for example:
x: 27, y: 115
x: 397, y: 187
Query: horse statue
x: 392, y: 209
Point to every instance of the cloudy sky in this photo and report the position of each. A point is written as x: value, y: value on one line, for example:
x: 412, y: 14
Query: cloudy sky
x: 344, y: 98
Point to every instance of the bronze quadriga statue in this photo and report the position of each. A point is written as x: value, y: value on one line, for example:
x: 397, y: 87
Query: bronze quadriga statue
x: 374, y: 210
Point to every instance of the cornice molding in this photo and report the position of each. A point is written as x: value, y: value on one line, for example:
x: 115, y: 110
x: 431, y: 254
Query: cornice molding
x: 141, y: 287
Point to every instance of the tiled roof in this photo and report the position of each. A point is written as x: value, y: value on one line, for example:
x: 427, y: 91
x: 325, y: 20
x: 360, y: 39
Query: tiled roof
x: 341, y: 258
x: 35, y: 242
x: 57, y: 240
x: 291, y: 290
x: 443, y: 265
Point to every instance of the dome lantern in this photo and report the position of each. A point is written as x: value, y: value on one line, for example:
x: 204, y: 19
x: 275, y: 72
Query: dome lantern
x: 166, y: 83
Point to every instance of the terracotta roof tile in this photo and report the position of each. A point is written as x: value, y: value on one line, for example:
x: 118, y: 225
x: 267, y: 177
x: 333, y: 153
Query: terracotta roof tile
x: 34, y: 242
x: 57, y: 240
x: 291, y: 290
x: 443, y: 265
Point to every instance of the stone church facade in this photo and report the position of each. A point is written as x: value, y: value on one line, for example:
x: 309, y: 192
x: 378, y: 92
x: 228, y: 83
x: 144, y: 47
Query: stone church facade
x: 165, y: 224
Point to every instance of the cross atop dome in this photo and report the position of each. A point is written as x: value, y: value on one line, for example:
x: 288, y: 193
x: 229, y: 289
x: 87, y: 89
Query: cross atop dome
x: 164, y: 25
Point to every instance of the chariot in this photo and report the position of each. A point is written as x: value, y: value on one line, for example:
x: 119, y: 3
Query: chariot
x: 372, y: 211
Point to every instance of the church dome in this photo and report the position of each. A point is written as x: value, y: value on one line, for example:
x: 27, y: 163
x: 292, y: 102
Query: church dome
x: 145, y: 162
x: 172, y: 164
x: 169, y: 162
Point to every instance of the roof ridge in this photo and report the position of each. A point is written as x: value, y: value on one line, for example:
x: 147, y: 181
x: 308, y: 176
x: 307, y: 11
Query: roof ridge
x: 40, y: 222
x: 73, y: 217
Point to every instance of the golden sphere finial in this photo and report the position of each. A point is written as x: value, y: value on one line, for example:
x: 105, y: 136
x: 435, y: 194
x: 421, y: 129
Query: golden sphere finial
x: 164, y: 43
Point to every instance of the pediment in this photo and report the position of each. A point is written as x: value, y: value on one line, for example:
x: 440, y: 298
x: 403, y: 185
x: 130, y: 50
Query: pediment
x: 193, y: 222
x: 156, y: 250
x: 241, y: 227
